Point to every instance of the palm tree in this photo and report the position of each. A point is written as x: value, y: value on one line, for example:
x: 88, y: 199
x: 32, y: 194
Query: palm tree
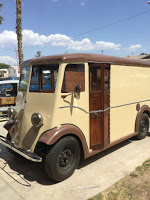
x: 19, y: 30
x: 1, y: 18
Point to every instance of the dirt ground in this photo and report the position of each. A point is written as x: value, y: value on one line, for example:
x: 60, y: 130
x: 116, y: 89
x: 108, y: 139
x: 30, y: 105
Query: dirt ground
x: 134, y: 186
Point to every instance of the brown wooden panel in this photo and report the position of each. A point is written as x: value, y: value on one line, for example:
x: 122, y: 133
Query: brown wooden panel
x: 95, y: 94
x: 95, y: 125
x: 74, y: 78
x: 95, y: 103
x: 106, y: 102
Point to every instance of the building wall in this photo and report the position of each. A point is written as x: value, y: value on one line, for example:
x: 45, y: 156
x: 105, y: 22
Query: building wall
x: 3, y: 73
x: 13, y: 72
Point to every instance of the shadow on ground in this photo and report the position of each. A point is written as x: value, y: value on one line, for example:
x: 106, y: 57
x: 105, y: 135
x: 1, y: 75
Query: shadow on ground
x: 31, y: 171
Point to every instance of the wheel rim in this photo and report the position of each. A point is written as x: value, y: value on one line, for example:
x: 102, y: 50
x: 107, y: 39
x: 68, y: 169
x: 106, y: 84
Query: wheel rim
x: 143, y: 127
x: 65, y: 158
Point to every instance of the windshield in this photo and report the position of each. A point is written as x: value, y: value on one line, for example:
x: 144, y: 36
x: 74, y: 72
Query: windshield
x: 24, y: 79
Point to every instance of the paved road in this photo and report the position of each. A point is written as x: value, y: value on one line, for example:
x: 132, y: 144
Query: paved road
x: 27, y: 180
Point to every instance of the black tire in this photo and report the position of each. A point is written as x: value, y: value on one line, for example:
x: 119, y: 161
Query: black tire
x: 143, y: 126
x: 62, y: 159
x: 9, y: 150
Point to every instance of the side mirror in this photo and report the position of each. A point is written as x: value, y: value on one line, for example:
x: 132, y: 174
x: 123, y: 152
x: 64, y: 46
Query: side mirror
x: 77, y: 91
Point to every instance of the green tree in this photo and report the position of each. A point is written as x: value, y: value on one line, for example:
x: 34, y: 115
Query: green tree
x: 19, y: 30
x: 1, y: 18
x: 4, y: 66
x: 38, y: 54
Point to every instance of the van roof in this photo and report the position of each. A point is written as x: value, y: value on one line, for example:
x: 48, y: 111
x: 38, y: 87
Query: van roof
x: 86, y: 57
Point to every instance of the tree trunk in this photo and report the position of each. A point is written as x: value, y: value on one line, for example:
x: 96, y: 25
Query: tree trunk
x: 19, y: 31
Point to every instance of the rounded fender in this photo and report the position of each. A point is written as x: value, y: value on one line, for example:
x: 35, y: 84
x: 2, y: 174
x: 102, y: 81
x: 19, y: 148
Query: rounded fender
x: 51, y: 136
x: 139, y: 114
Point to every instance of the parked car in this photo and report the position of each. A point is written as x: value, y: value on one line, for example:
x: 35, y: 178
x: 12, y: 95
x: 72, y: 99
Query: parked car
x: 8, y: 92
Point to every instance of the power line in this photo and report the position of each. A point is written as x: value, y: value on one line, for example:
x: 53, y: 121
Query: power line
x: 117, y: 22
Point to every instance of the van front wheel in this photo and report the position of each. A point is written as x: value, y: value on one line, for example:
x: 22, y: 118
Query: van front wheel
x: 62, y: 159
x: 143, y: 126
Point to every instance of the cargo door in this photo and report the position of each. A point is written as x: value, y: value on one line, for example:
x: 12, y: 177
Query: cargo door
x: 99, y: 96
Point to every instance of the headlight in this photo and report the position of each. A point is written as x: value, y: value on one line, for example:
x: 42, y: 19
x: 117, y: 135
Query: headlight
x: 37, y: 120
x: 11, y: 113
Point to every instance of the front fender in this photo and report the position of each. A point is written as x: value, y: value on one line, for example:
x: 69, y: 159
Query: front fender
x: 51, y: 136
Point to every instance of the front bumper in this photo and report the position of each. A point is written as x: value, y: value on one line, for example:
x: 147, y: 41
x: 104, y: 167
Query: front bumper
x: 30, y: 156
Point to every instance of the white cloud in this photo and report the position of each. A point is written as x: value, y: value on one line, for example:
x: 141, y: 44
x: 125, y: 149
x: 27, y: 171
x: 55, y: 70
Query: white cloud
x: 58, y: 40
x: 32, y: 39
x: 8, y: 60
x: 55, y: 40
x: 8, y: 38
x: 134, y: 47
x: 107, y: 45
x: 82, y: 45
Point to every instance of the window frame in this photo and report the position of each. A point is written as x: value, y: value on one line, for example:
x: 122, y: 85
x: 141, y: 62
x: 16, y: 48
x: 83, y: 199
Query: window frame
x: 40, y: 78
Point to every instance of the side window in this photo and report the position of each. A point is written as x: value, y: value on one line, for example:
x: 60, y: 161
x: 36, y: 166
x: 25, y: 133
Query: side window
x: 34, y: 84
x: 74, y: 75
x: 46, y: 79
x: 43, y: 78
x: 95, y: 79
x: 107, y: 78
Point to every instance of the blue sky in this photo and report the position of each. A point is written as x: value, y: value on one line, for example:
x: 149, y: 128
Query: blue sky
x: 56, y: 27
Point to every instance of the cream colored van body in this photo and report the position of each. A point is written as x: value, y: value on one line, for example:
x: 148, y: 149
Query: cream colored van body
x: 48, y: 105
x: 113, y: 105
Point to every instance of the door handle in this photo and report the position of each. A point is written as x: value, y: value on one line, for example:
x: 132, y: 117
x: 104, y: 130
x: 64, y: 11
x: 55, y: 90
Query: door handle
x: 96, y: 115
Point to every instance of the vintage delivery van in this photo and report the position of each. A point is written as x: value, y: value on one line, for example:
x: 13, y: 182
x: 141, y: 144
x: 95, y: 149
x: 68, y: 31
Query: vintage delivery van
x: 89, y: 103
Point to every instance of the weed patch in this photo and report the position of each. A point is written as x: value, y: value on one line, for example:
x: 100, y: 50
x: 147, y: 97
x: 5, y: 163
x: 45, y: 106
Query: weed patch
x: 134, y: 186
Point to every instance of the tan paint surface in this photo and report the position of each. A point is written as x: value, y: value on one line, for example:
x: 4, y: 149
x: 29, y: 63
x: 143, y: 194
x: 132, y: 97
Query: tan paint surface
x: 128, y: 84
